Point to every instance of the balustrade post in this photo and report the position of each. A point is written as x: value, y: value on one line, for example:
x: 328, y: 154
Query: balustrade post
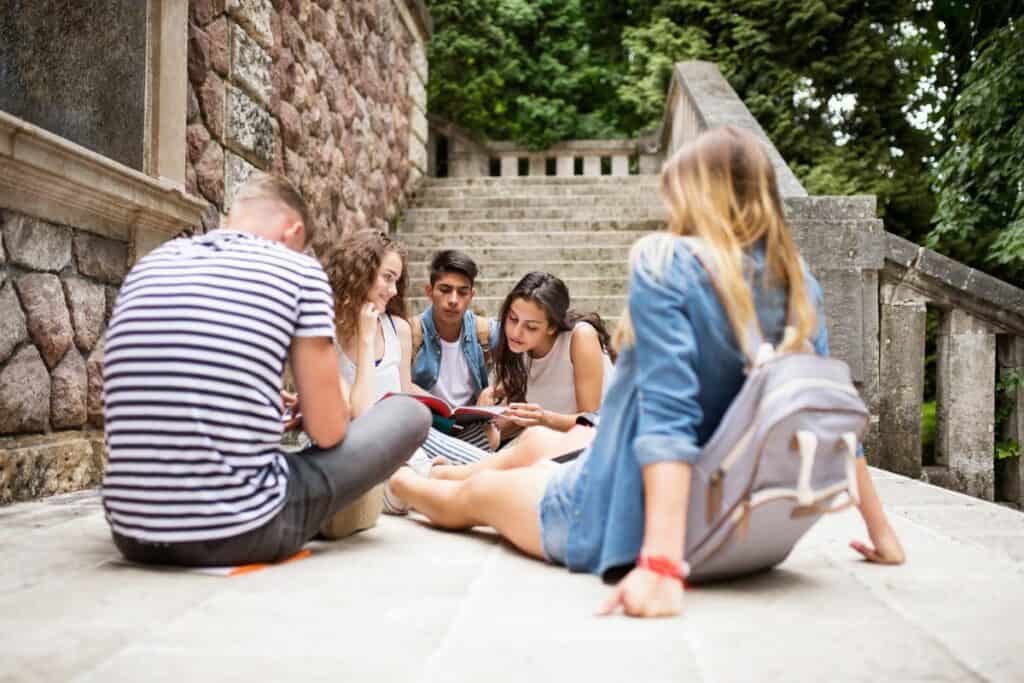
x: 901, y: 379
x: 566, y: 166
x: 538, y: 166
x: 1011, y: 470
x: 591, y: 166
x: 509, y: 167
x: 620, y: 165
x: 966, y: 397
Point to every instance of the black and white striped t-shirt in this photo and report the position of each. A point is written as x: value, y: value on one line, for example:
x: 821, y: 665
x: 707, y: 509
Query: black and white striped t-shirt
x: 193, y: 361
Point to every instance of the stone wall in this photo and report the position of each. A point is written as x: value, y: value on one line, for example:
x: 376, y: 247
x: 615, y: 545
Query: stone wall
x: 57, y: 289
x: 330, y: 93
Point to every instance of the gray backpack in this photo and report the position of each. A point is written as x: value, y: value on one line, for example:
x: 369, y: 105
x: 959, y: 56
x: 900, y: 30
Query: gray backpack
x: 783, y: 455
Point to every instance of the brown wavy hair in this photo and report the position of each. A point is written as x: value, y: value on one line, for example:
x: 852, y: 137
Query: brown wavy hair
x: 351, y: 267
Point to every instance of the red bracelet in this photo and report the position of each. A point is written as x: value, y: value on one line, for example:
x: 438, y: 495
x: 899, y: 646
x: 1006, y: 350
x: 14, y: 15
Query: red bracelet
x: 662, y: 566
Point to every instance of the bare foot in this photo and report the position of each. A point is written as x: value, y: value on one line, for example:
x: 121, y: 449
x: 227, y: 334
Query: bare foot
x: 886, y: 548
x: 451, y: 472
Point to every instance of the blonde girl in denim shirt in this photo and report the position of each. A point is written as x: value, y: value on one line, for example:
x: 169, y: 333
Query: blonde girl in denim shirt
x: 619, y: 510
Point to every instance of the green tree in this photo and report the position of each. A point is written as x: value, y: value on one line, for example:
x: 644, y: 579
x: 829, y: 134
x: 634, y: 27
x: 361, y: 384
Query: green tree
x: 980, y: 176
x: 832, y: 83
x: 517, y: 69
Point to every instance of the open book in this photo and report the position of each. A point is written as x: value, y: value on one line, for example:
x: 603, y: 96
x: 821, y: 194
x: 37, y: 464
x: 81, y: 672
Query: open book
x: 462, y: 416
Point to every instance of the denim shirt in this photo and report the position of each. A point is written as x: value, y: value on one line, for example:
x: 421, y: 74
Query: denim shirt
x: 667, y: 395
x: 426, y: 367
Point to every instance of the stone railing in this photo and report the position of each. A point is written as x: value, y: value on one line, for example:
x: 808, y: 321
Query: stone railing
x: 456, y: 153
x: 981, y: 333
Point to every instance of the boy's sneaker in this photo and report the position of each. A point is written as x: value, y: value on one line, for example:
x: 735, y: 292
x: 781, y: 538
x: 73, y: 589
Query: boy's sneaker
x: 420, y: 464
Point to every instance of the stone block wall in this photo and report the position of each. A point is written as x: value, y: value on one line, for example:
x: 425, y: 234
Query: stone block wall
x: 330, y: 93
x: 57, y: 289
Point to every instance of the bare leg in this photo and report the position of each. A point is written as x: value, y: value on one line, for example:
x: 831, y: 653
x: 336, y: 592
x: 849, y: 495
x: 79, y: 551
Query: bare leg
x: 536, y: 444
x: 887, y: 548
x: 507, y: 500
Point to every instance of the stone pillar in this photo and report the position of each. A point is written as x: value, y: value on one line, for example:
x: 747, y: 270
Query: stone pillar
x: 620, y: 165
x: 566, y: 166
x: 1011, y: 470
x: 591, y: 166
x: 538, y: 166
x: 966, y: 396
x: 418, y: 126
x: 509, y: 167
x: 901, y: 367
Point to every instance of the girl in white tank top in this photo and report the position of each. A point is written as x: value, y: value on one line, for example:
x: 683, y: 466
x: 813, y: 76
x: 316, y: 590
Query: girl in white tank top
x: 550, y: 364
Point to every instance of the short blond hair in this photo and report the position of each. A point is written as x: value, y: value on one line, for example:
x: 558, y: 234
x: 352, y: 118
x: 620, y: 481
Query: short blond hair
x: 278, y: 189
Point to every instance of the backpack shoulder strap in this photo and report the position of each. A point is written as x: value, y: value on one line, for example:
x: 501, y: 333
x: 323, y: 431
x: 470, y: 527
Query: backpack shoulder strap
x: 416, y: 323
x: 483, y: 335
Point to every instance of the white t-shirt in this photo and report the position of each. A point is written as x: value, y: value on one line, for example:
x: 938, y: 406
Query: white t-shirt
x: 454, y: 383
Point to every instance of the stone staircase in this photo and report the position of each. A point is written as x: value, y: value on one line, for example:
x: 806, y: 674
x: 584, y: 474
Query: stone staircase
x: 578, y: 228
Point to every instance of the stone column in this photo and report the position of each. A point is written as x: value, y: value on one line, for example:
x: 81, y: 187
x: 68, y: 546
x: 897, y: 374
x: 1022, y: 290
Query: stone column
x: 418, y: 125
x: 1011, y: 470
x: 566, y: 166
x: 901, y: 367
x: 538, y: 166
x: 591, y: 166
x: 966, y: 396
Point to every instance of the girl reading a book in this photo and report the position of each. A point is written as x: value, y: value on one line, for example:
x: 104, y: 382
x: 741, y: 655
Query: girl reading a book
x: 552, y: 367
x: 619, y: 510
x: 367, y: 270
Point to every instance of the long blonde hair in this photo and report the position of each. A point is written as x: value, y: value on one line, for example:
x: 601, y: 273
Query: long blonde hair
x: 721, y: 189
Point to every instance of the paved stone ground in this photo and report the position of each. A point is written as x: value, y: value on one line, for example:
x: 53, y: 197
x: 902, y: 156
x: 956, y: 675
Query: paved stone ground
x: 403, y: 602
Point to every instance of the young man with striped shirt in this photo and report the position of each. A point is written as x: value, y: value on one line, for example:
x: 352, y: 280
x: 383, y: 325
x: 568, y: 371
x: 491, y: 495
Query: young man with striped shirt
x: 193, y: 398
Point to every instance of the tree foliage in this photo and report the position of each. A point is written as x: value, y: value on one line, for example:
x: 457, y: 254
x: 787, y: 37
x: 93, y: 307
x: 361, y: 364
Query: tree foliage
x: 980, y: 176
x: 859, y: 96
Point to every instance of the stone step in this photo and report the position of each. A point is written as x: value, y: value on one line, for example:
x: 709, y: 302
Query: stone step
x: 617, y: 270
x: 605, y: 306
x: 527, y: 181
x: 580, y: 213
x: 530, y: 255
x: 530, y: 226
x: 470, y: 241
x: 428, y: 195
x: 578, y: 286
x: 491, y: 201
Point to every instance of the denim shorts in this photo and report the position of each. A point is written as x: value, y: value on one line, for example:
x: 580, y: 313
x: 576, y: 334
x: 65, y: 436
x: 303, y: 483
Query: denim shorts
x: 556, y: 510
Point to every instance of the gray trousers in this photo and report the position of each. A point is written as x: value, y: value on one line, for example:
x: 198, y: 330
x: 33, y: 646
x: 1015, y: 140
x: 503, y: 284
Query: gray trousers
x: 320, y: 483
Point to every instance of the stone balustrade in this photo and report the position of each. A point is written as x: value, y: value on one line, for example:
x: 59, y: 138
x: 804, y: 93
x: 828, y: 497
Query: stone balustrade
x: 981, y: 333
x: 456, y: 153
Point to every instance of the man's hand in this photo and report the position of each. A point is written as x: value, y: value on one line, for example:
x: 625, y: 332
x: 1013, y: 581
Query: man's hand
x: 291, y: 410
x: 642, y: 593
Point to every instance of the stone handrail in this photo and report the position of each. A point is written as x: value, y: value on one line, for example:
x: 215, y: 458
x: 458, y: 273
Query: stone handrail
x: 981, y: 333
x: 699, y: 98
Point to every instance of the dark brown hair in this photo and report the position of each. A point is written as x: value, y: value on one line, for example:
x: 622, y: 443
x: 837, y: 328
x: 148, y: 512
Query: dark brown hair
x: 551, y: 294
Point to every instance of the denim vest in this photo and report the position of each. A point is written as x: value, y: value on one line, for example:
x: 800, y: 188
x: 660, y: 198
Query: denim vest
x: 427, y: 365
x: 668, y: 393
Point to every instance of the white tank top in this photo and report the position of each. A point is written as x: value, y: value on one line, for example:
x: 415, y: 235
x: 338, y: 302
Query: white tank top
x: 388, y: 378
x: 551, y: 381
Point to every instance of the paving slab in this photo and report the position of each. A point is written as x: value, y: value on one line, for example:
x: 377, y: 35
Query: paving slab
x: 405, y: 602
